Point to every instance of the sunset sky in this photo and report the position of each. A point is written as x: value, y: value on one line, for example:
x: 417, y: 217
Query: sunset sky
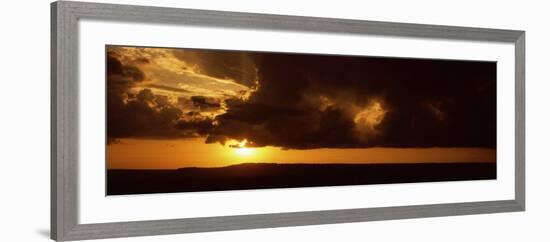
x: 171, y: 108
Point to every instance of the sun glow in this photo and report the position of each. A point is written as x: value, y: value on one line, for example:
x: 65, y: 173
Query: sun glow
x: 244, y: 151
x: 241, y: 149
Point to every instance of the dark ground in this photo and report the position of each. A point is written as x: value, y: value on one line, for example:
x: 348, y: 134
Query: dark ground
x: 269, y: 175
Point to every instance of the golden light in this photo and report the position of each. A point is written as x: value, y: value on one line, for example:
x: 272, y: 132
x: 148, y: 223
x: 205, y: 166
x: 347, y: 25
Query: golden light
x: 368, y: 118
x: 244, y: 151
x: 371, y: 116
x: 241, y: 149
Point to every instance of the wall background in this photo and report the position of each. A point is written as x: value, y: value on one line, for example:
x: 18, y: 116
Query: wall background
x: 24, y: 120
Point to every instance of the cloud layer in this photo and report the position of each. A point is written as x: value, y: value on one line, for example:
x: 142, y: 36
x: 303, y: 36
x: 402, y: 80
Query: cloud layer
x: 297, y: 101
x: 311, y: 101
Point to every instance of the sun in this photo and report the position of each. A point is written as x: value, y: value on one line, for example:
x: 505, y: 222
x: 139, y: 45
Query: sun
x: 241, y: 149
x: 244, y: 151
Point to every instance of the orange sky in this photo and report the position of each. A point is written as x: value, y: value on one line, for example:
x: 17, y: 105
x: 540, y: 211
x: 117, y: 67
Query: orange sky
x: 171, y: 154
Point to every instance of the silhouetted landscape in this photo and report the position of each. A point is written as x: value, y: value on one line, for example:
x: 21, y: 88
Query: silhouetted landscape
x: 273, y: 175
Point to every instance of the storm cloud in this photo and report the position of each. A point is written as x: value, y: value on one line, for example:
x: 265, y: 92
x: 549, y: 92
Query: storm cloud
x: 142, y: 113
x: 299, y: 101
x: 320, y: 101
x: 235, y: 65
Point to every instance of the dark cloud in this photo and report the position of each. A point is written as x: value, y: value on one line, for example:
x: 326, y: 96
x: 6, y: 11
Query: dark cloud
x: 143, y: 114
x: 205, y: 103
x: 147, y: 115
x: 168, y: 88
x: 315, y: 101
x: 235, y: 65
x: 312, y: 101
x: 196, y: 126
x: 142, y: 60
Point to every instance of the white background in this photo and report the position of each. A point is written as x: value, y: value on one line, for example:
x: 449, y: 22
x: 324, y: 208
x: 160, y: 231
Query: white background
x: 24, y: 122
x: 96, y: 208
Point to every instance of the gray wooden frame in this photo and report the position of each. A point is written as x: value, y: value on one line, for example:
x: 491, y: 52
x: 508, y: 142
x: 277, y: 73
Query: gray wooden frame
x: 64, y: 123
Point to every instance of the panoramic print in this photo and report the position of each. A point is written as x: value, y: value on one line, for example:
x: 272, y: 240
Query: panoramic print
x: 189, y: 120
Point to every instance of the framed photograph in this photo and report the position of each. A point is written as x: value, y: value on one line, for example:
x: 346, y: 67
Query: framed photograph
x: 170, y: 121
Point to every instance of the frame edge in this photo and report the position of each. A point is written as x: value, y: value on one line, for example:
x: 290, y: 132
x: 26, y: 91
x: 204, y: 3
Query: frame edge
x: 258, y: 221
x: 53, y: 122
x: 520, y: 120
x: 198, y: 17
x: 64, y: 213
x: 64, y: 137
